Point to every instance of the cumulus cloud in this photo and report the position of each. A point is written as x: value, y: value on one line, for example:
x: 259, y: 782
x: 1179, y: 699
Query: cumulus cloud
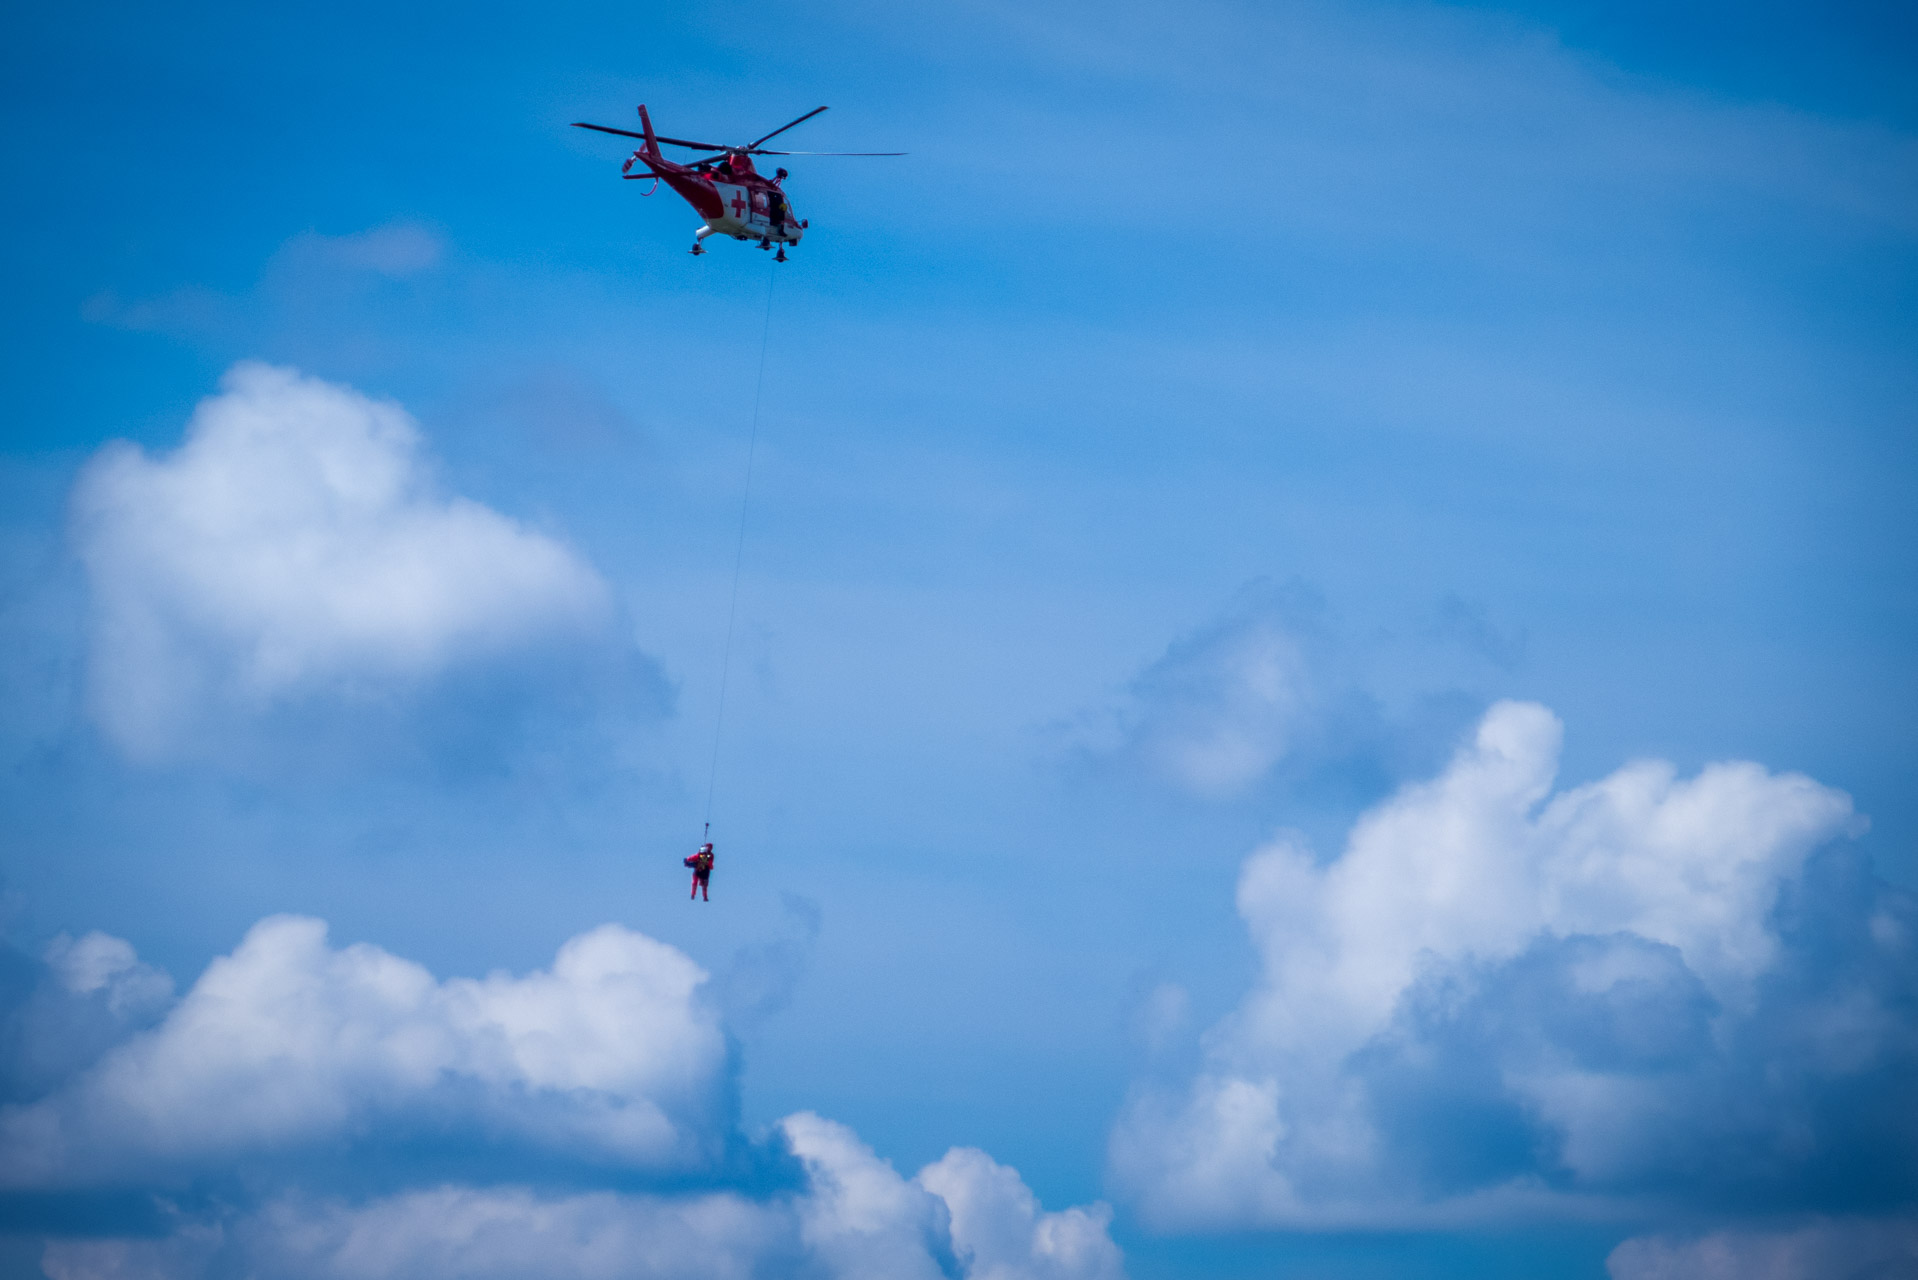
x: 1000, y: 1232
x: 862, y: 1218
x: 613, y: 1058
x: 1501, y: 1002
x: 612, y: 1055
x: 295, y: 543
x: 964, y: 1215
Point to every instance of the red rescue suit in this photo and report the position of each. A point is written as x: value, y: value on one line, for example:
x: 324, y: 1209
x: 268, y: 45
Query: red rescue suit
x: 702, y: 865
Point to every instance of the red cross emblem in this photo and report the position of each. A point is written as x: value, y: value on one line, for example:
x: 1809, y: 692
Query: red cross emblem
x: 739, y: 205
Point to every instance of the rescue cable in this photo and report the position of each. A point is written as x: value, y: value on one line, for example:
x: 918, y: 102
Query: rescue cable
x: 739, y: 552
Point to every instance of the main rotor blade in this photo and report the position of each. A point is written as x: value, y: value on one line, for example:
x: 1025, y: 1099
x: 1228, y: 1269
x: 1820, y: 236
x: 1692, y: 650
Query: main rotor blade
x: 782, y: 128
x: 696, y: 146
x: 607, y: 128
x: 628, y: 133
x: 759, y: 151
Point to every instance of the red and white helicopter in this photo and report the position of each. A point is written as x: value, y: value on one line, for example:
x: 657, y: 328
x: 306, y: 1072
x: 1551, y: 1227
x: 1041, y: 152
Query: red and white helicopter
x: 734, y: 198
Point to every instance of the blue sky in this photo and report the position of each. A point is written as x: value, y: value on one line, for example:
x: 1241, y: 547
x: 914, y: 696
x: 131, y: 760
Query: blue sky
x: 1323, y: 666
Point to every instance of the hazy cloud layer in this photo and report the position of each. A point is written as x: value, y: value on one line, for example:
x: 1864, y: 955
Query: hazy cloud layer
x: 295, y: 543
x: 1500, y: 1002
x: 397, y: 249
x: 1851, y: 1249
x: 855, y: 1217
x: 1222, y: 707
x: 1258, y: 690
x: 308, y: 272
x: 610, y: 1065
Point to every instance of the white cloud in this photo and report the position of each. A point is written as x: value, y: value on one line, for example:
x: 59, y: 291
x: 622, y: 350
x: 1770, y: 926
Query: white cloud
x: 1472, y: 865
x: 861, y: 1218
x: 295, y: 542
x: 614, y: 1058
x: 1634, y: 914
x: 865, y: 1220
x: 1000, y: 1232
x: 1857, y: 1249
x: 612, y: 1054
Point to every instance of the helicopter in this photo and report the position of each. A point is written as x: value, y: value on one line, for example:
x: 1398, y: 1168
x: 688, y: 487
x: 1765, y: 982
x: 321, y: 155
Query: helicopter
x: 724, y: 189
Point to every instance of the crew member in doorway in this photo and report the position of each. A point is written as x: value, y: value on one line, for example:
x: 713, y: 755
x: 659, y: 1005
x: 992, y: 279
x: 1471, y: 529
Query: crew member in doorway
x: 776, y: 203
x: 702, y: 865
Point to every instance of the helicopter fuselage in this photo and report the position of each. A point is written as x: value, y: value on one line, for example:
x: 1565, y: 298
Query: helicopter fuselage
x: 742, y: 210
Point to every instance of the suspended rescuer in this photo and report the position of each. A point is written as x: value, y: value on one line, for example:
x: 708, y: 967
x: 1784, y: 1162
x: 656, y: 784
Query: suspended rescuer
x: 702, y: 865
